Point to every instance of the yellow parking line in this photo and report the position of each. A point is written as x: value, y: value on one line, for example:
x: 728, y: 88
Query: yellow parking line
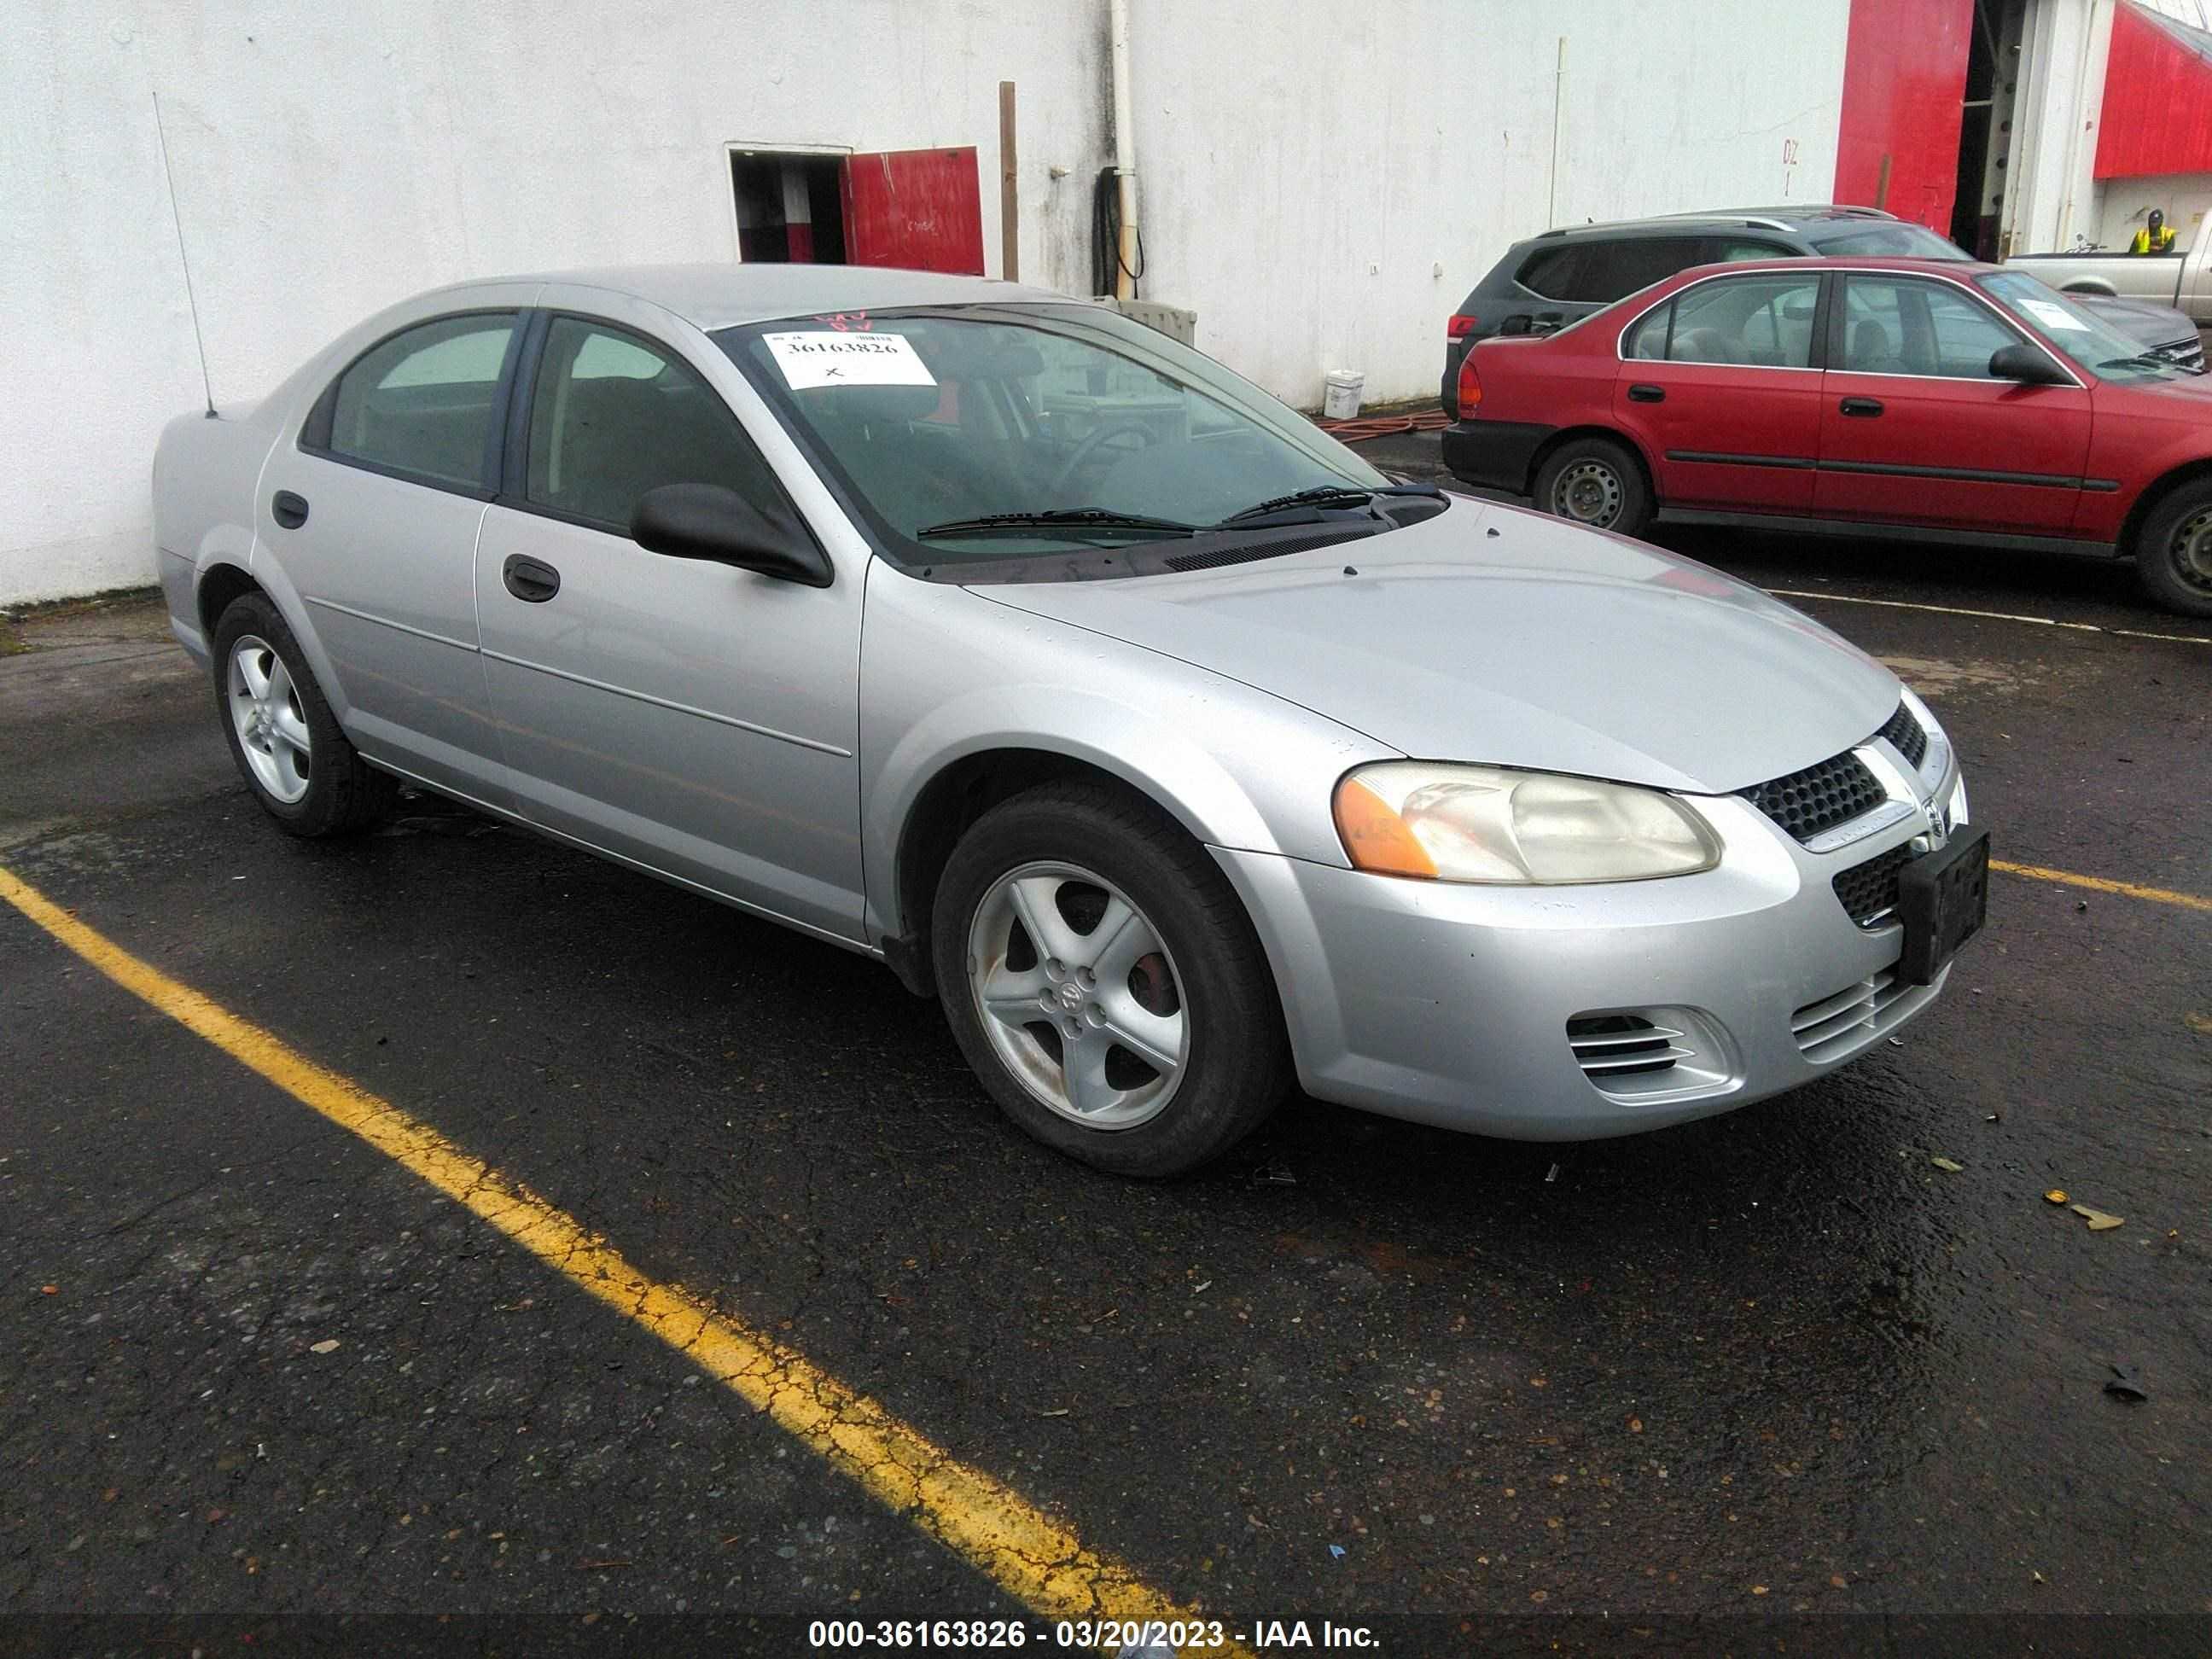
x: 1034, y: 1558
x: 2099, y: 884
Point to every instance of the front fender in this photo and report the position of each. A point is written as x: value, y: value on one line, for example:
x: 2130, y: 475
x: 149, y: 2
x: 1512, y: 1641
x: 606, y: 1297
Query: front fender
x: 947, y: 675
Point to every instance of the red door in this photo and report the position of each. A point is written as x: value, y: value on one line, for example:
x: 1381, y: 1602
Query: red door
x: 1913, y: 430
x: 1717, y: 384
x: 920, y: 208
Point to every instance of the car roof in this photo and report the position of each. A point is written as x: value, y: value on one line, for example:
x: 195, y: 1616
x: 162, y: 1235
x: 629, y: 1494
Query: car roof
x: 712, y: 296
x: 1788, y: 219
x: 1903, y: 264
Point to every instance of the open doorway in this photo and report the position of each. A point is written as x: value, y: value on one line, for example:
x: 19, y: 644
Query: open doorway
x: 790, y: 209
x: 1985, y: 117
x: 920, y: 209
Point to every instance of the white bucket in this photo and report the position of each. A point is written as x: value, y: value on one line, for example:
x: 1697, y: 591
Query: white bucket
x: 1340, y: 400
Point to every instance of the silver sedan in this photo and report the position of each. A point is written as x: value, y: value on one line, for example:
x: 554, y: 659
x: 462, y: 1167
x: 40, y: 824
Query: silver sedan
x: 1178, y: 752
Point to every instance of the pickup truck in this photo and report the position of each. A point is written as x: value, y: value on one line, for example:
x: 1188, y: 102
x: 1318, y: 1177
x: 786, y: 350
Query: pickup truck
x: 2183, y: 281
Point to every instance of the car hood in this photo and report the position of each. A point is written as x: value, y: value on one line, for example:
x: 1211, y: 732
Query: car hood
x: 2139, y: 319
x: 1492, y: 634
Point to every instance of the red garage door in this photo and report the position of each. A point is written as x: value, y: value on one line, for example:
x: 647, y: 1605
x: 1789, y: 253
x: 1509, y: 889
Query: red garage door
x: 1905, y: 73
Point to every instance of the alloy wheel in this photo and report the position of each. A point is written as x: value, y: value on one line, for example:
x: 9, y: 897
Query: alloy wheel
x: 266, y: 714
x: 1078, y: 995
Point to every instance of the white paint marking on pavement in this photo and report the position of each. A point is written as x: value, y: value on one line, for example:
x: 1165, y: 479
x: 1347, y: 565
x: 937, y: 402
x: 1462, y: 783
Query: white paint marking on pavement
x: 1993, y: 616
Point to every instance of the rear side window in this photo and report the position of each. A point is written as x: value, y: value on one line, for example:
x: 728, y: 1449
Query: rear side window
x: 1614, y: 271
x: 1552, y: 273
x: 1756, y: 322
x: 420, y: 404
x: 614, y: 414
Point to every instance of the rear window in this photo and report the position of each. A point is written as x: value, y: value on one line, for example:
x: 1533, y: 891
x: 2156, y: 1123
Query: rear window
x: 1552, y: 273
x: 1614, y: 271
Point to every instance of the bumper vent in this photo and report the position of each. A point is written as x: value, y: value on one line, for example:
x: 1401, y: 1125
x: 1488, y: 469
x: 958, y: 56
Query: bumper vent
x: 1819, y: 798
x: 1846, y: 1022
x: 1906, y: 737
x: 1622, y: 1045
x: 1869, y: 891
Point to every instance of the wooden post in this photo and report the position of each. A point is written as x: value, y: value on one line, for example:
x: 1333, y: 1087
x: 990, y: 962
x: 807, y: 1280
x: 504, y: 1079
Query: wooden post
x: 1010, y: 203
x: 1881, y: 190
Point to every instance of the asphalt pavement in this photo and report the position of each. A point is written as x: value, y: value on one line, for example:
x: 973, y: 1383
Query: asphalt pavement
x: 1781, y: 1365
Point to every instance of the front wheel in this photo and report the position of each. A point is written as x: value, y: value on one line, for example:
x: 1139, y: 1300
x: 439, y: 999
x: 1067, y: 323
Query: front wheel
x: 1105, y: 983
x: 2174, y: 550
x: 1597, y: 483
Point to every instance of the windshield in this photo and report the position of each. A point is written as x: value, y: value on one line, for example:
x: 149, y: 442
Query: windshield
x: 1885, y: 240
x: 933, y: 418
x: 2076, y: 332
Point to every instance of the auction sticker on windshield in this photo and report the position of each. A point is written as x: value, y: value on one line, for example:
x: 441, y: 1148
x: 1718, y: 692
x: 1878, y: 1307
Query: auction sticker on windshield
x: 2052, y: 316
x: 817, y: 358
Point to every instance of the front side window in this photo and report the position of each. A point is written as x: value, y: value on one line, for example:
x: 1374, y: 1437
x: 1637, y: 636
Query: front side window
x: 420, y: 404
x: 1898, y: 326
x: 933, y: 418
x: 1758, y: 322
x: 613, y: 415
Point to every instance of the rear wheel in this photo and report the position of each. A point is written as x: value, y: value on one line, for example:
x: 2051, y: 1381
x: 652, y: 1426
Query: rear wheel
x: 1596, y: 482
x: 1105, y: 983
x: 282, y: 731
x: 2174, y: 550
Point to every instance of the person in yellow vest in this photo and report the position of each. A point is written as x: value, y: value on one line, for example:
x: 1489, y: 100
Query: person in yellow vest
x: 2156, y: 237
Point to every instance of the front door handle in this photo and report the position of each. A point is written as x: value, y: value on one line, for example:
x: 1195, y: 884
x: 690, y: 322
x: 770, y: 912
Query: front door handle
x: 1647, y: 394
x: 1868, y: 406
x: 287, y: 509
x: 529, y: 580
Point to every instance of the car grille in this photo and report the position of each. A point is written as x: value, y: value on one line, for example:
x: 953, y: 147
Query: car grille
x: 1842, y: 1024
x: 1905, y: 734
x: 2184, y: 353
x: 1819, y: 798
x: 1869, y: 891
x: 1622, y: 1045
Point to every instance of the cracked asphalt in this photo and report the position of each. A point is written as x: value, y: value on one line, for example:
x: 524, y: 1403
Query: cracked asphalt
x: 1776, y: 1364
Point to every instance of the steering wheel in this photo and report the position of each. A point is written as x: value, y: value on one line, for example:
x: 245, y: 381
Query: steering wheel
x: 1091, y: 445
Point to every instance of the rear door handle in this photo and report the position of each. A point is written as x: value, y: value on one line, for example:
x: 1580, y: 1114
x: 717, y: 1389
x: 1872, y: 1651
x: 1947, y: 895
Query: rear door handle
x: 288, y: 509
x: 1861, y: 406
x: 1647, y: 394
x: 529, y: 580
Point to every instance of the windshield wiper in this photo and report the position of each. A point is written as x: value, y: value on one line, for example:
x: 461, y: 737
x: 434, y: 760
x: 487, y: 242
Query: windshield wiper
x: 2141, y: 360
x: 1061, y: 518
x: 1329, y: 494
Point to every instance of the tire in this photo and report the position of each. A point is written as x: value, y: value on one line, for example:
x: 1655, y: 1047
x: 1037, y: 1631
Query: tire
x: 1596, y: 482
x: 286, y: 743
x: 2174, y: 549
x: 1186, y: 980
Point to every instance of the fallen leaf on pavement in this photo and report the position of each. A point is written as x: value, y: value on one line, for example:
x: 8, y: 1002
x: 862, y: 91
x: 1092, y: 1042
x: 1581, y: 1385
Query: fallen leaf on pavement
x: 328, y: 1345
x: 2126, y: 1384
x: 2056, y: 1195
x: 1949, y: 1165
x: 2097, y: 1220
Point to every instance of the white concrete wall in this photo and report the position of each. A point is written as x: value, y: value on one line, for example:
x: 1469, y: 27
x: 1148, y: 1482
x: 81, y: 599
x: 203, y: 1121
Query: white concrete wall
x: 1307, y: 167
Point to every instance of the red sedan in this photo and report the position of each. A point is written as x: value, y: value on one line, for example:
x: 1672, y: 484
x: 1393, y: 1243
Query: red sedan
x: 1919, y: 397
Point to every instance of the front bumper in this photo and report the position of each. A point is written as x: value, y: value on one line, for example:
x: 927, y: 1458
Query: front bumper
x: 1494, y: 454
x: 1450, y: 1005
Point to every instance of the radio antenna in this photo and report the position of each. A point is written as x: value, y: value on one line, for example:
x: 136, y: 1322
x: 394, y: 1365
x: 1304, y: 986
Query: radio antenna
x: 177, y: 218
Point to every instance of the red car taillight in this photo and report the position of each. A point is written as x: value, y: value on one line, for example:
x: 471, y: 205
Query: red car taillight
x: 1461, y: 326
x: 1469, y: 392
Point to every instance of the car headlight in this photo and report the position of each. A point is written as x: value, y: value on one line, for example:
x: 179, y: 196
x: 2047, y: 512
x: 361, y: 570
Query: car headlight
x: 1487, y: 823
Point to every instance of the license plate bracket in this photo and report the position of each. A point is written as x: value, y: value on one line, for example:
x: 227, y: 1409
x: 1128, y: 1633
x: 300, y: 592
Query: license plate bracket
x: 1943, y: 899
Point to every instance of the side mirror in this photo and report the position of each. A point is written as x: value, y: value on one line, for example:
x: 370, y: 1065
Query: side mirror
x: 2026, y: 365
x: 712, y: 522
